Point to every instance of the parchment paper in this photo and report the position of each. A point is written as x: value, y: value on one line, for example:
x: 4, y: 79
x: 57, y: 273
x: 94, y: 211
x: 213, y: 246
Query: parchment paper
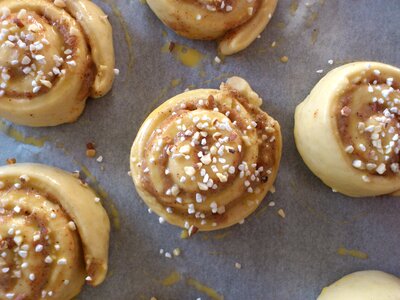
x: 291, y: 258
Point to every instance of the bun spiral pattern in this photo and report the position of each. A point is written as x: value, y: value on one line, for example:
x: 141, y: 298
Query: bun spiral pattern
x: 53, y: 56
x: 235, y: 23
x: 53, y: 234
x: 205, y: 159
x: 347, y: 130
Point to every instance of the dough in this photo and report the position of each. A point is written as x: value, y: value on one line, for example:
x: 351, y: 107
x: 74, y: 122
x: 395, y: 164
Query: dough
x: 54, y: 234
x: 205, y: 159
x: 365, y: 285
x: 347, y: 130
x: 236, y: 23
x: 53, y: 56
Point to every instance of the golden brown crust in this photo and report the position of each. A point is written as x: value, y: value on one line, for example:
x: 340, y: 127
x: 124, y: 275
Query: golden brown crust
x: 235, y: 23
x: 52, y: 58
x: 206, y: 158
x: 53, y: 234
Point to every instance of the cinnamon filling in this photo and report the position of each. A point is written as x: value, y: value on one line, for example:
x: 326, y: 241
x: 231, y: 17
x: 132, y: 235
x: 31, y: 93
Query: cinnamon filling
x: 200, y: 149
x: 35, y: 52
x: 368, y: 120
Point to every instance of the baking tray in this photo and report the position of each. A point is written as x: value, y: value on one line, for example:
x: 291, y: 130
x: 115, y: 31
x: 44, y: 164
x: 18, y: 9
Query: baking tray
x: 281, y: 258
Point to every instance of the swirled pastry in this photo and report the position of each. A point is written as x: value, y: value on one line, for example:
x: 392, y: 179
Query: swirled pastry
x: 365, y: 285
x: 53, y: 234
x: 235, y: 23
x: 53, y: 56
x: 206, y: 158
x: 347, y: 130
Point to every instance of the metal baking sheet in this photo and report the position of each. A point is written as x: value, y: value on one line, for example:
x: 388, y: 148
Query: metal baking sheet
x: 290, y: 258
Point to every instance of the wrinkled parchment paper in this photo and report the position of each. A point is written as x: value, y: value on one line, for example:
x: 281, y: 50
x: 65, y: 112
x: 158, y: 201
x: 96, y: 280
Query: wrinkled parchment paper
x: 281, y: 258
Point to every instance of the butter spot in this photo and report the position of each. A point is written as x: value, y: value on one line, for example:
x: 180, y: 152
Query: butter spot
x: 19, y: 136
x: 171, y: 279
x: 204, y: 289
x: 354, y: 253
x: 187, y: 56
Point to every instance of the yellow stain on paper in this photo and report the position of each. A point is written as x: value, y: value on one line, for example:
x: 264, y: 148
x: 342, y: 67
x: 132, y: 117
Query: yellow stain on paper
x: 311, y: 19
x: 294, y: 5
x: 216, y: 237
x: 175, y: 277
x: 219, y: 78
x: 216, y: 253
x: 202, y: 74
x: 281, y: 25
x: 354, y: 253
x: 171, y: 279
x: 189, y: 57
x: 20, y: 137
x: 184, y: 234
x: 176, y: 82
x: 210, y: 292
x: 314, y: 36
x: 261, y: 211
